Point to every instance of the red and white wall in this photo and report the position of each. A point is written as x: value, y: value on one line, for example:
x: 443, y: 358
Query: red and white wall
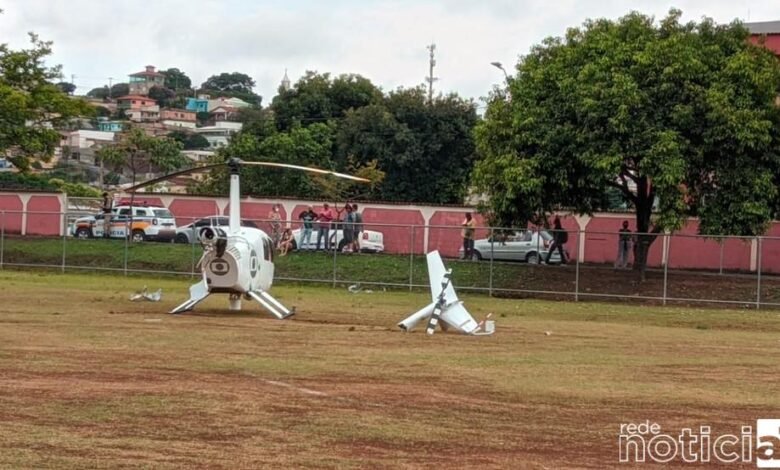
x: 592, y: 239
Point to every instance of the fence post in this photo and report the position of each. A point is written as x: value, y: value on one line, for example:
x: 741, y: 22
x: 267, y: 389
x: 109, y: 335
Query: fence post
x: 722, y: 242
x: 127, y: 238
x: 577, y: 268
x: 2, y: 237
x: 64, y: 238
x: 492, y: 241
x: 411, y: 259
x: 666, y: 265
x: 192, y: 250
x: 335, y: 253
x: 758, y: 287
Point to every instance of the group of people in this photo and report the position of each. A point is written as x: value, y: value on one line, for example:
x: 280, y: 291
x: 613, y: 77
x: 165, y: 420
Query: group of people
x: 324, y: 221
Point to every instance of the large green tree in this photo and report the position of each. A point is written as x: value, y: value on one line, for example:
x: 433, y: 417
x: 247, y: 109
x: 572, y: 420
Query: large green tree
x: 426, y: 150
x: 177, y: 80
x: 235, y: 84
x: 32, y: 107
x: 136, y: 152
x: 677, y: 116
x: 318, y: 98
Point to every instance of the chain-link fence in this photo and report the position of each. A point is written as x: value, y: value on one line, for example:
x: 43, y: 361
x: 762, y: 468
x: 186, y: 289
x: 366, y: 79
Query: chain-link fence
x: 503, y: 261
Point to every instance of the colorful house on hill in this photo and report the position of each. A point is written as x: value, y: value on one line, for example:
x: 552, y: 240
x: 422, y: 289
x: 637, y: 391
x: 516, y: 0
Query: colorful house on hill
x: 766, y: 33
x: 104, y: 125
x: 141, y: 82
x: 139, y: 108
x: 198, y: 105
x: 178, y: 118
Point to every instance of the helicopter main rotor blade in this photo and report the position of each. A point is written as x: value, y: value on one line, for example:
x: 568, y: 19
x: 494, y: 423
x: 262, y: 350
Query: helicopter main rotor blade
x: 309, y: 169
x: 173, y: 175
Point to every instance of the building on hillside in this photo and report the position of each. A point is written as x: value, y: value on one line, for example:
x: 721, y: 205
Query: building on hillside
x: 199, y: 156
x: 219, y: 134
x: 766, y: 32
x: 224, y: 113
x: 199, y: 104
x: 6, y: 165
x: 235, y: 103
x: 105, y: 125
x: 178, y: 118
x: 141, y: 82
x: 139, y: 108
x: 82, y: 144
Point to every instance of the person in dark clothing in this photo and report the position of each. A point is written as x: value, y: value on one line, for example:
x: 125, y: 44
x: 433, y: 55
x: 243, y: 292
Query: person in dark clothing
x: 307, y: 217
x: 358, y: 227
x: 624, y: 246
x: 108, y: 204
x: 560, y: 237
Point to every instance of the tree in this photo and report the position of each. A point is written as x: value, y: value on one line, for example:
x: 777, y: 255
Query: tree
x: 162, y: 95
x: 189, y: 141
x: 99, y: 93
x: 238, y: 82
x: 317, y: 98
x: 177, y: 80
x: 425, y: 149
x: 67, y: 88
x: 137, y: 152
x: 119, y: 90
x: 682, y: 115
x: 32, y: 108
x: 311, y: 146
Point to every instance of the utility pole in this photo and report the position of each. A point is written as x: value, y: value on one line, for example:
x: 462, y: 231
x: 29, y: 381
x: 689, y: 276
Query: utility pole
x: 430, y: 78
x: 73, y: 82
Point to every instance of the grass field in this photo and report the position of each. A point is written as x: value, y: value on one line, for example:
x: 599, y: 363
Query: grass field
x: 507, y: 279
x: 92, y: 380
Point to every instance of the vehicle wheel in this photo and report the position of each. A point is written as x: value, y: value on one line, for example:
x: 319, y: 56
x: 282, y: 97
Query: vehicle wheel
x: 138, y: 235
x: 181, y: 238
x: 532, y: 258
x: 476, y: 256
x: 83, y: 233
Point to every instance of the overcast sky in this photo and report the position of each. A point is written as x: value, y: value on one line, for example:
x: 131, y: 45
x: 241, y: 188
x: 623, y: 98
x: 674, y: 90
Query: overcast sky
x: 384, y: 41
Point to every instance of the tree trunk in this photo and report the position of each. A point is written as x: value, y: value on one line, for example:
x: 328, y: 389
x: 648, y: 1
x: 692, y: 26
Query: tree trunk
x: 644, y: 237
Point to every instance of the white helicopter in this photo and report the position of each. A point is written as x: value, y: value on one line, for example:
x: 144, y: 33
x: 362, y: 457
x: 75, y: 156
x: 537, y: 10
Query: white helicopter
x: 239, y: 261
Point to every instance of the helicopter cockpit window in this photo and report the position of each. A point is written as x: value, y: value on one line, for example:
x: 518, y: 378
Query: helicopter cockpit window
x: 268, y: 249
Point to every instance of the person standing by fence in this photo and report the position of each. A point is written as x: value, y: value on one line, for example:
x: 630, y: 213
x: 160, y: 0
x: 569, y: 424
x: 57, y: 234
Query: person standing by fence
x: 324, y: 218
x: 624, y: 246
x: 276, y: 224
x: 307, y: 217
x: 468, y: 236
x: 358, y: 228
x: 108, y: 206
x: 560, y: 237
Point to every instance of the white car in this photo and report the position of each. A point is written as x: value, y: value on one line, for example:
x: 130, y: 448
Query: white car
x: 526, y: 245
x: 370, y: 241
x: 191, y: 232
x: 149, y: 223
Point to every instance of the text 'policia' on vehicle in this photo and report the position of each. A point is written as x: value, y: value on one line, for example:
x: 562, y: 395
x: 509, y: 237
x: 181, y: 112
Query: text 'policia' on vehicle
x: 148, y: 223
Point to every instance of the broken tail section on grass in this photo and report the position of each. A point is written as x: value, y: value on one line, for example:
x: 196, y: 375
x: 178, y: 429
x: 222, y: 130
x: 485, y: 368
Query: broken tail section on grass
x: 445, y: 310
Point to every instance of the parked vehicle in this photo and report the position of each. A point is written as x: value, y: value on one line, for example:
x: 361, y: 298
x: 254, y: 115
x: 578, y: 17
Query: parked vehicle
x: 526, y: 246
x: 370, y: 241
x: 190, y: 233
x: 148, y: 223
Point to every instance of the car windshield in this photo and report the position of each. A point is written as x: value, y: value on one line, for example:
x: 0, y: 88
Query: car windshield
x: 165, y: 213
x: 546, y: 235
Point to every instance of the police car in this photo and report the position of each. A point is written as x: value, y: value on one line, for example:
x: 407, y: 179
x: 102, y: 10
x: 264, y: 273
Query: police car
x: 148, y: 223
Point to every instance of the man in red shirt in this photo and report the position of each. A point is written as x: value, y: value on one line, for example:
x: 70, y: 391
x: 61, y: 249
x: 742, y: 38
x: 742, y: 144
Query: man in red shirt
x: 324, y: 218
